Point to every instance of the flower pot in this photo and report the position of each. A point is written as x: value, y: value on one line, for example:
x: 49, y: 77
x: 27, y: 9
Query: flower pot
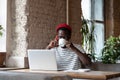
x: 2, y: 58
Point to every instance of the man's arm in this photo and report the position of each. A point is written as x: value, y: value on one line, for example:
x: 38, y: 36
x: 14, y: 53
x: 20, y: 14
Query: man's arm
x: 86, y: 61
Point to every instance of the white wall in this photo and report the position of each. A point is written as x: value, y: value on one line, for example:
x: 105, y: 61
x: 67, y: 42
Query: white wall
x: 3, y: 9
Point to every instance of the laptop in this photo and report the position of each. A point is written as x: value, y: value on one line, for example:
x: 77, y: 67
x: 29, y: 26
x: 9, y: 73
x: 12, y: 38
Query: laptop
x: 42, y: 59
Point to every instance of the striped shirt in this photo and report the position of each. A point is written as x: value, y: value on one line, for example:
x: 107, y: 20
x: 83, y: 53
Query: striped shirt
x: 67, y: 59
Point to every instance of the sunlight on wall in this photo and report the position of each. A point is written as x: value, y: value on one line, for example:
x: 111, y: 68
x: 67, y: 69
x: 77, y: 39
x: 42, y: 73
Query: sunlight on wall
x: 20, y: 26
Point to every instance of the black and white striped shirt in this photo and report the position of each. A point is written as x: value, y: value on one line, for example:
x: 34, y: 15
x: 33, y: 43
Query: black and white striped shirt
x: 67, y: 59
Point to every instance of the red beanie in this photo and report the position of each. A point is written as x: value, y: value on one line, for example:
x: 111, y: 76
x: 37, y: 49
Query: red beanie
x: 63, y: 26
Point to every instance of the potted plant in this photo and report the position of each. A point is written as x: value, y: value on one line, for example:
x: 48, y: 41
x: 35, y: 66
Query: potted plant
x: 2, y: 54
x: 111, y: 50
x: 88, y: 38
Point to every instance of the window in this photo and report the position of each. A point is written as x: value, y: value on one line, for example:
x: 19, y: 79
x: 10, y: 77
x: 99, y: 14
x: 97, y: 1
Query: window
x: 3, y: 9
x: 93, y: 11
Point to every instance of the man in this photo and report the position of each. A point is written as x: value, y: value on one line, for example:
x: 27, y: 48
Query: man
x: 69, y: 56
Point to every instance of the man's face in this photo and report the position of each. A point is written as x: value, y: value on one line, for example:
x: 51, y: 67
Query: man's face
x: 64, y: 34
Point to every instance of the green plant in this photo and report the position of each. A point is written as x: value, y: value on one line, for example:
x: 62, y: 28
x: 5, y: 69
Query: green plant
x: 1, y: 28
x: 88, y: 38
x: 111, y: 50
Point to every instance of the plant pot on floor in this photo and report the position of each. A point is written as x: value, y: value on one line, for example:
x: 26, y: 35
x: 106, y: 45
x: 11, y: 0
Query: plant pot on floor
x: 2, y: 58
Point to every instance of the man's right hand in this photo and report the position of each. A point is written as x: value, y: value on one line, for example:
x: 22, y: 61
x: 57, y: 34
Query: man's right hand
x: 52, y: 44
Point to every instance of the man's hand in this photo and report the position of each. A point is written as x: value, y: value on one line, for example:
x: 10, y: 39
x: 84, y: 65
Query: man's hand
x: 52, y: 44
x: 70, y: 45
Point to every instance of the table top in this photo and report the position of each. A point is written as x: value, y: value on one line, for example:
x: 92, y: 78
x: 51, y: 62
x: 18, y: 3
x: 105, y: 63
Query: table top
x: 96, y: 75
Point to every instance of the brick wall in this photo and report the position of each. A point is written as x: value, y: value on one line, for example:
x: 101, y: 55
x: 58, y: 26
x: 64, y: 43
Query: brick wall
x: 75, y: 19
x: 112, y: 17
x: 44, y: 15
x: 116, y: 16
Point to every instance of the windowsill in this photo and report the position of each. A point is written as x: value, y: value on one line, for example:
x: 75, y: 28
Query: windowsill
x: 105, y: 67
x: 10, y: 68
x: 100, y: 62
x: 2, y: 52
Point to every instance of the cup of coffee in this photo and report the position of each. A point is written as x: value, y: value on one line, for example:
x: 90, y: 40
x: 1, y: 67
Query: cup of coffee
x: 62, y: 42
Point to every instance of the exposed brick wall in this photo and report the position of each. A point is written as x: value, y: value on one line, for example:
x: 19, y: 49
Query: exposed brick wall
x: 112, y: 17
x: 44, y: 15
x: 75, y: 20
x: 108, y: 18
x: 116, y: 17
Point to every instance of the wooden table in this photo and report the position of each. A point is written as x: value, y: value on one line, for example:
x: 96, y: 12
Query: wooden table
x: 95, y: 75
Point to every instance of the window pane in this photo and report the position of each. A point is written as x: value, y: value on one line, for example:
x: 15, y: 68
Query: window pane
x: 98, y: 10
x: 3, y: 8
x: 86, y: 8
x: 93, y: 10
x: 99, y: 38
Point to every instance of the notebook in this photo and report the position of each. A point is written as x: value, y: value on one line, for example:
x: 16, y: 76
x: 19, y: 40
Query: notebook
x: 42, y: 59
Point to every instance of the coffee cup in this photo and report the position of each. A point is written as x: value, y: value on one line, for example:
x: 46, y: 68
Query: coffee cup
x: 62, y: 42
